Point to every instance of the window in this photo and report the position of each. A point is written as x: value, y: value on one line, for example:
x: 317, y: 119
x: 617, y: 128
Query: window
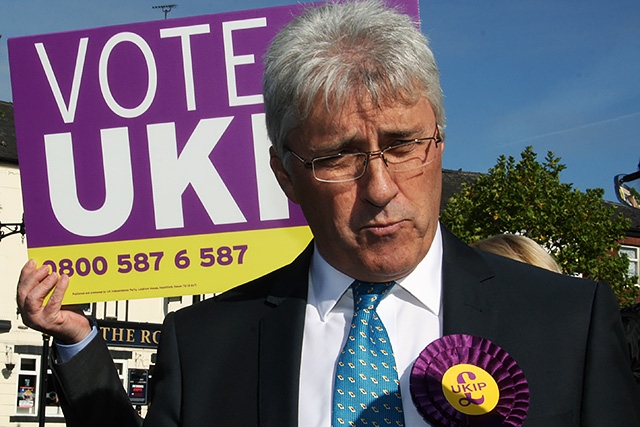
x: 27, y: 397
x: 27, y: 386
x: 121, y: 367
x: 632, y: 252
x: 172, y: 304
x: 52, y: 403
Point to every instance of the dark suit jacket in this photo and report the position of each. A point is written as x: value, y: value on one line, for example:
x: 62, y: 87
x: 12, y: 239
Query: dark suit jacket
x: 234, y: 360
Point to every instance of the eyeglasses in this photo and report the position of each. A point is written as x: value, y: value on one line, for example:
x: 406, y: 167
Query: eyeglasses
x: 400, y: 157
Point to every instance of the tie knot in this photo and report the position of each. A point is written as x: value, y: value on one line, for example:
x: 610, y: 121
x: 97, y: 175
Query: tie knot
x: 368, y: 295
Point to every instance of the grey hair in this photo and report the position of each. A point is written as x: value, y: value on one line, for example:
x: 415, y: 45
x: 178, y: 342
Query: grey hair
x: 342, y: 50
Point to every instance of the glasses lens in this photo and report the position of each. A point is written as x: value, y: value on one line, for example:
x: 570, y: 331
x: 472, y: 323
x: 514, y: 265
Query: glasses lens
x: 409, y: 155
x: 339, y: 168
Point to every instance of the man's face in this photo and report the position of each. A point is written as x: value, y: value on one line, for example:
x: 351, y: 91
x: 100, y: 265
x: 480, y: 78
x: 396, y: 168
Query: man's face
x: 379, y: 227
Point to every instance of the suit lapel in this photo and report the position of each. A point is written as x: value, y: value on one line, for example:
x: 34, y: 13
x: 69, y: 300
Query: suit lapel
x: 281, y: 345
x: 465, y: 300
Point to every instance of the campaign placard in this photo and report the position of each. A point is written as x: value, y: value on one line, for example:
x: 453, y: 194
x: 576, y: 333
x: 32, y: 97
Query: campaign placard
x: 144, y: 157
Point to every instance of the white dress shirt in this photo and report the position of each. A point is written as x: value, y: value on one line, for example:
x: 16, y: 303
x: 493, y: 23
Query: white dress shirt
x: 411, y: 314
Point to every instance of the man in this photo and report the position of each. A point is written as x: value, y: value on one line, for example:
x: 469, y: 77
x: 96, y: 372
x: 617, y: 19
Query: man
x: 354, y: 110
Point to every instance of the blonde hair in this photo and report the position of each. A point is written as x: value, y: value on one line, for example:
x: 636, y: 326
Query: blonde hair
x: 519, y: 248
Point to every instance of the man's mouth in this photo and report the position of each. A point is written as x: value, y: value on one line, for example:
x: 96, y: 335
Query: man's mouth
x: 383, y: 229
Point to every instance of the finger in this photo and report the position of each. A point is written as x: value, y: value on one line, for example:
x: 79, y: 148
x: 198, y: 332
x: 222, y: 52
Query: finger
x: 55, y: 302
x: 26, y: 280
x: 33, y: 299
x: 27, y: 269
x: 31, y: 277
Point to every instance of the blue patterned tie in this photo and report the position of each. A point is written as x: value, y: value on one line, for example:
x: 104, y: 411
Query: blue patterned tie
x: 367, y: 390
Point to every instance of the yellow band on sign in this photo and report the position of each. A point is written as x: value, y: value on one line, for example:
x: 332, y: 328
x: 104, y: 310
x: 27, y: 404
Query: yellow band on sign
x: 171, y: 266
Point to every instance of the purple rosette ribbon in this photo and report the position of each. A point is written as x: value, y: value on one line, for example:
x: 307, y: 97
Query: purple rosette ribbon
x: 462, y: 380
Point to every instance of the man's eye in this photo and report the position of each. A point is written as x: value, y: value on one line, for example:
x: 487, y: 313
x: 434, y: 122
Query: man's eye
x: 331, y: 162
x: 400, y: 147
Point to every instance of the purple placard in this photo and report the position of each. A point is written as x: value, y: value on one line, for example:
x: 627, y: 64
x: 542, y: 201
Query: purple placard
x: 160, y: 122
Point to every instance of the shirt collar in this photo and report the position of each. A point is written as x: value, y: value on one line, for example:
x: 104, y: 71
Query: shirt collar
x: 424, y: 283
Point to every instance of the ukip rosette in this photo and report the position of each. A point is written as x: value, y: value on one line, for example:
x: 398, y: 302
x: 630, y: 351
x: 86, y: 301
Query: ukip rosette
x: 463, y: 380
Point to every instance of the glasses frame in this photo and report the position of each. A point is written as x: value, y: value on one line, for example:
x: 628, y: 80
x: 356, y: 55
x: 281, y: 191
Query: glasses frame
x: 310, y: 164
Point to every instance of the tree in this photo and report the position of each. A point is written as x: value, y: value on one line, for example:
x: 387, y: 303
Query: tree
x: 526, y: 197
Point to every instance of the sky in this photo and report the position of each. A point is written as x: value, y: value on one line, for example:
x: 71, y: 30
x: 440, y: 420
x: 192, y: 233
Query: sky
x: 557, y: 75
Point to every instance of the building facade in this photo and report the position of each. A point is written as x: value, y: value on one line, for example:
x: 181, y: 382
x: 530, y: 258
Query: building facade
x: 630, y: 245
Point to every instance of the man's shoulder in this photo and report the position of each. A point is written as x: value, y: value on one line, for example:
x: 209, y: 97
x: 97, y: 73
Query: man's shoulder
x: 491, y: 268
x: 522, y: 283
x: 507, y: 268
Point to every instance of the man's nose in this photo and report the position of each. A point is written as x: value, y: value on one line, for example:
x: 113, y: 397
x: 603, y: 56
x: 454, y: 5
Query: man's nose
x: 377, y: 184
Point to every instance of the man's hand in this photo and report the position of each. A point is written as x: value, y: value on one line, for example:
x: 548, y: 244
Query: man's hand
x: 34, y: 285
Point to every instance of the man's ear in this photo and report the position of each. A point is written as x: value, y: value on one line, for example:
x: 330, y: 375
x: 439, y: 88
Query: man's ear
x: 283, y: 177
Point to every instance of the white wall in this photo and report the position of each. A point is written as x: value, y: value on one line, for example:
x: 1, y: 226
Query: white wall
x: 13, y: 255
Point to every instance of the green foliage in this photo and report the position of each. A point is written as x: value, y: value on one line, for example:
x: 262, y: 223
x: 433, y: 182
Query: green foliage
x: 527, y: 197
